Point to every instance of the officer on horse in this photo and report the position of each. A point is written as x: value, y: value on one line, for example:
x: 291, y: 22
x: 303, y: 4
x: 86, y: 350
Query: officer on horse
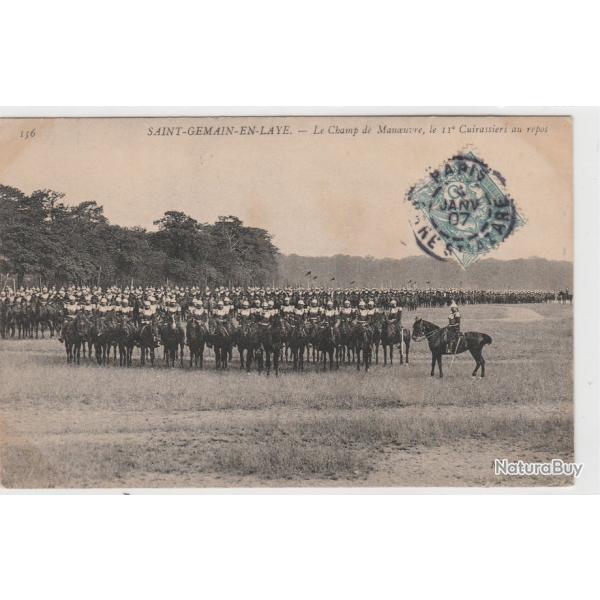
x: 453, y: 330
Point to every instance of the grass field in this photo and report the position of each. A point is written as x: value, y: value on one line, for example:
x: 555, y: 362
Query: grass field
x: 89, y: 426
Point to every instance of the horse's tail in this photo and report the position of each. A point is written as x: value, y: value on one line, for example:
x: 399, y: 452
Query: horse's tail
x: 486, y: 339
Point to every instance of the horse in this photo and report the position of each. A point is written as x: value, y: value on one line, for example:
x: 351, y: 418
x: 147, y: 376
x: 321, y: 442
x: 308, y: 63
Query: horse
x: 196, y: 339
x: 362, y: 342
x: 219, y: 336
x: 248, y: 340
x: 148, y: 338
x: 327, y: 344
x: 345, y: 349
x: 42, y: 318
x: 272, y: 336
x: 102, y: 334
x: 172, y: 337
x: 73, y: 333
x: 472, y: 341
x: 393, y: 333
x: 298, y: 337
x: 8, y: 320
x: 377, y: 326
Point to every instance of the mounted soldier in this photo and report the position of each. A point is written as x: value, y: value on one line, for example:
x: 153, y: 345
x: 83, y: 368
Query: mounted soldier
x: 126, y: 310
x: 220, y: 313
x: 146, y: 314
x: 197, y: 310
x: 346, y: 312
x: 362, y: 314
x: 245, y: 313
x: 394, y: 313
x: 453, y: 330
x: 299, y: 311
x: 71, y: 311
x: 371, y: 310
x: 227, y: 308
x: 330, y: 314
x: 103, y: 308
x: 287, y: 309
x: 313, y: 312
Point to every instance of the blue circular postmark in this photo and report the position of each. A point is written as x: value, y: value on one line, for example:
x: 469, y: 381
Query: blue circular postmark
x: 462, y: 210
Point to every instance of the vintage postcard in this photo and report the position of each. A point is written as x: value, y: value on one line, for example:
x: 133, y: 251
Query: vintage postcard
x: 308, y: 301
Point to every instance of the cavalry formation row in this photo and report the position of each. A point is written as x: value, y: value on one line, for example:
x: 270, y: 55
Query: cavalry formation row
x: 265, y: 325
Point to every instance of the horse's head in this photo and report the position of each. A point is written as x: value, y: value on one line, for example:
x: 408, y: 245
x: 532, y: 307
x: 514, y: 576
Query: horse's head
x: 417, y: 328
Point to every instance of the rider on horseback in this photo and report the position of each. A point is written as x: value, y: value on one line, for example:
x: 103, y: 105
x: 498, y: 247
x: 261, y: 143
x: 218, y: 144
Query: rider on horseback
x: 394, y: 312
x: 244, y: 313
x: 362, y: 314
x: 70, y: 312
x: 346, y: 312
x: 453, y: 330
x: 330, y: 314
x: 287, y: 309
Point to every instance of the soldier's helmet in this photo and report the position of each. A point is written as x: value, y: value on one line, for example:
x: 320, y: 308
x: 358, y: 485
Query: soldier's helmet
x: 226, y: 300
x: 313, y: 302
x: 45, y: 290
x: 271, y: 304
x: 371, y: 303
x: 286, y: 300
x: 103, y: 301
x: 329, y: 304
x: 361, y: 304
x: 196, y: 302
x: 346, y: 303
x: 147, y: 303
x: 393, y: 303
x: 257, y: 302
x: 245, y: 304
x: 300, y: 302
x: 71, y: 299
x: 220, y: 303
x: 125, y: 302
x: 453, y: 306
x: 265, y: 304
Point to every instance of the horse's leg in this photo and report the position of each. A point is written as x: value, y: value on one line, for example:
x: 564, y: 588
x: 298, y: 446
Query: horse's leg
x: 439, y: 360
x: 268, y: 362
x: 357, y: 352
x: 433, y: 361
x: 406, y: 348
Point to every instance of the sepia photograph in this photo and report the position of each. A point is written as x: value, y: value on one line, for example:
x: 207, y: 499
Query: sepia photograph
x: 286, y: 302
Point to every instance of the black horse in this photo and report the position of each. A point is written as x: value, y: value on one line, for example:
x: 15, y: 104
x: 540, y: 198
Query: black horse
x: 148, y: 338
x: 172, y: 336
x: 392, y: 333
x: 470, y: 340
x: 362, y: 342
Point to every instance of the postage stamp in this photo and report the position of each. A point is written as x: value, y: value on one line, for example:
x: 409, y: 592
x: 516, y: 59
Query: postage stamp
x: 462, y: 210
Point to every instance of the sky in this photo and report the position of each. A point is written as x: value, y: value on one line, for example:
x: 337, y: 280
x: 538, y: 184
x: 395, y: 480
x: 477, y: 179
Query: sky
x: 319, y: 185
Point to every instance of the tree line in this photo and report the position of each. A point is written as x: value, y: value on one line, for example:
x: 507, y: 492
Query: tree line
x: 41, y: 236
